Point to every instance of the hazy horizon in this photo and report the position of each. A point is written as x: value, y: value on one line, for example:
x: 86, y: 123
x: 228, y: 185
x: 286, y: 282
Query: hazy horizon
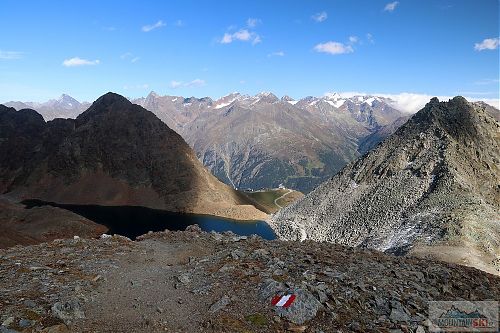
x: 406, y: 102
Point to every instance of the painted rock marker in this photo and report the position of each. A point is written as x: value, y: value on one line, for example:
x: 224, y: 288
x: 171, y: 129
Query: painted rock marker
x: 283, y: 301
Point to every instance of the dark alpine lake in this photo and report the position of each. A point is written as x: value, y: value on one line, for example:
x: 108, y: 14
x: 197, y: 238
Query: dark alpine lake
x: 133, y: 221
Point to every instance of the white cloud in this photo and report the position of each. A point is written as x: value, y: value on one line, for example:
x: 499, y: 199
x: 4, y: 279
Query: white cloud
x: 175, y: 84
x: 333, y: 48
x: 369, y: 38
x: 130, y: 56
x: 191, y: 84
x: 320, y: 17
x: 150, y: 27
x: 10, y: 55
x: 76, y: 61
x: 226, y: 39
x: 391, y: 6
x: 253, y: 22
x: 179, y: 23
x: 488, y: 44
x: 126, y: 55
x: 412, y: 102
x: 276, y: 54
x: 195, y: 83
x: 243, y: 35
x: 353, y: 39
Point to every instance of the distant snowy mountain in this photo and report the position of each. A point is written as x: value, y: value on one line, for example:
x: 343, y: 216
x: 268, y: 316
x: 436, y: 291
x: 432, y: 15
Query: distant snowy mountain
x: 264, y: 141
x: 63, y: 107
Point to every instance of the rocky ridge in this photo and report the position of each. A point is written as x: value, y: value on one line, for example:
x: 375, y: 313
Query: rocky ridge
x: 431, y: 188
x: 192, y: 281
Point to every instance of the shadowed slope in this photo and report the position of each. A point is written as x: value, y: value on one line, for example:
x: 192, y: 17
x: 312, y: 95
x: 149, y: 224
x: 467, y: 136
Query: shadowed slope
x: 115, y: 153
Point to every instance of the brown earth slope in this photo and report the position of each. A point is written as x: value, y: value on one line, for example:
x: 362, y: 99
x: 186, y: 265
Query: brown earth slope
x: 115, y: 153
x: 41, y: 224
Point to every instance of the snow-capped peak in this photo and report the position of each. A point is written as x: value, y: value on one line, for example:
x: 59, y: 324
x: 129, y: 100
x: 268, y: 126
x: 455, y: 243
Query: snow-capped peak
x: 67, y: 101
x: 267, y: 97
x: 227, y: 100
x: 265, y: 94
x: 333, y: 96
x: 233, y: 95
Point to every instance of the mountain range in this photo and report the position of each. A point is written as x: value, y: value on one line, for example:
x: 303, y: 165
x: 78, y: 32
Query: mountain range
x: 63, y: 107
x: 262, y: 141
x: 431, y: 188
x: 114, y: 153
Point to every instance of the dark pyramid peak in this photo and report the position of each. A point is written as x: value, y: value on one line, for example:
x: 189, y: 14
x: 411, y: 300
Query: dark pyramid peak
x: 105, y: 104
x: 109, y: 99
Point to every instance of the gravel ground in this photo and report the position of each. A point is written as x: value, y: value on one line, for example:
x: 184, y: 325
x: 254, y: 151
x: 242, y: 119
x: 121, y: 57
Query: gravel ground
x: 193, y: 281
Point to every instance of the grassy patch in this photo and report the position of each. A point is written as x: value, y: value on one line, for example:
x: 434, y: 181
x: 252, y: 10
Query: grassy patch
x: 267, y: 198
x: 257, y: 319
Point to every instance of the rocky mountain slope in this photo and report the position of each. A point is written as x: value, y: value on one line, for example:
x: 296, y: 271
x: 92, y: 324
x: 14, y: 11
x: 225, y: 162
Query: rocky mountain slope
x: 114, y: 153
x: 371, y: 141
x: 175, y: 111
x: 208, y: 282
x: 432, y: 188
x: 254, y: 142
x: 63, y: 107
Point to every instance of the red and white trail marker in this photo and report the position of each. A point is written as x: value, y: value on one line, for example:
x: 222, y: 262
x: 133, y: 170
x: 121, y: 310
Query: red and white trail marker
x: 283, y: 301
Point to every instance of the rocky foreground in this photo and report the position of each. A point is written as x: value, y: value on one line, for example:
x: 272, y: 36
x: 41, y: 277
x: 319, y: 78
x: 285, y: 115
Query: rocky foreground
x: 193, y: 281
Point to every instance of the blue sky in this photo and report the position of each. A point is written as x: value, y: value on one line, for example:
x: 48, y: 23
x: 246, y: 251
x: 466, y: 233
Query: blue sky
x: 211, y: 48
